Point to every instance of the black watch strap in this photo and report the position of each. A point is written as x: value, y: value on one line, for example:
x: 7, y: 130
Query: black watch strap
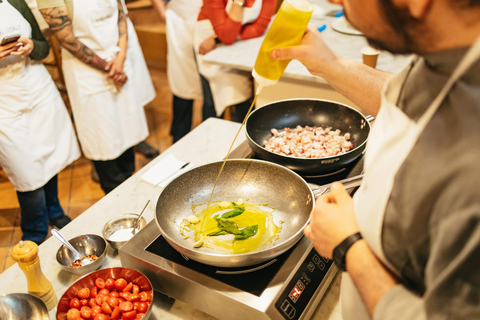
x: 340, y: 251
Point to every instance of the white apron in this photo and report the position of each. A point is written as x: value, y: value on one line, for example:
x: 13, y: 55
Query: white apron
x: 182, y: 72
x: 37, y: 139
x: 228, y: 86
x: 140, y: 76
x: 108, y: 120
x: 392, y: 138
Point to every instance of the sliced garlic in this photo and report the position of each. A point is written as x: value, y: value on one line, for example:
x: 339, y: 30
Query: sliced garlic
x: 198, y: 244
x: 193, y: 219
x: 239, y: 202
x: 224, y: 204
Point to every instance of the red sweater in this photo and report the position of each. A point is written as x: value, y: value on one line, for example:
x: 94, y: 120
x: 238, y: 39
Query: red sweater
x: 226, y: 29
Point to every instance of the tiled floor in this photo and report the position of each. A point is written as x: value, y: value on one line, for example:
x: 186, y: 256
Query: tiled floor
x: 77, y: 191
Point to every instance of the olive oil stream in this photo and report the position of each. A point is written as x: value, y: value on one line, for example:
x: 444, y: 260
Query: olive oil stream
x: 230, y: 150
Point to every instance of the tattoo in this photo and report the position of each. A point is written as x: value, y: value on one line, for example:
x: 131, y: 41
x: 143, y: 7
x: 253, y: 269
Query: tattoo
x: 122, y: 20
x: 61, y: 25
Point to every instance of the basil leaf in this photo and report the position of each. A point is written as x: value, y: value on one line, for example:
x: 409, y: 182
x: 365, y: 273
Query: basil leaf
x: 217, y: 233
x: 227, y: 225
x: 235, y: 212
x: 247, y: 232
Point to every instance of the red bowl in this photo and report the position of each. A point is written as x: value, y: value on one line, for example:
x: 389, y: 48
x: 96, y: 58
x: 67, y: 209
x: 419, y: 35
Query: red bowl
x: 88, y: 281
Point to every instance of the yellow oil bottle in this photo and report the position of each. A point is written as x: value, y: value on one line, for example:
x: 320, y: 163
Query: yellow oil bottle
x: 26, y: 255
x: 287, y: 29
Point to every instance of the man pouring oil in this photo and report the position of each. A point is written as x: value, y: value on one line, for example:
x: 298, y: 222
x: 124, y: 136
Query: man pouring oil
x: 409, y: 240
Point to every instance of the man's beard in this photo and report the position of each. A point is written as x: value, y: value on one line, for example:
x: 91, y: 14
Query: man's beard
x: 402, y: 34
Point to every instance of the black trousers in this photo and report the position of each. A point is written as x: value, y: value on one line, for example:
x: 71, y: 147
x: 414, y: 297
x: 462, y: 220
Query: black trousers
x: 113, y: 172
x: 208, y: 110
x: 182, y: 117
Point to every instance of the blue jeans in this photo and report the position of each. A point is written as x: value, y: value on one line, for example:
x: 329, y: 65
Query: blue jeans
x: 182, y: 117
x: 37, y: 208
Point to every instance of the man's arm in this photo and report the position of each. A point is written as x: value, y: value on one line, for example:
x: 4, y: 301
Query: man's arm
x: 356, y: 81
x: 61, y: 25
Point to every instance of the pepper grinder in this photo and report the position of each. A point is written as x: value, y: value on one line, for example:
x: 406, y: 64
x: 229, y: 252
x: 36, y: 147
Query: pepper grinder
x: 25, y: 253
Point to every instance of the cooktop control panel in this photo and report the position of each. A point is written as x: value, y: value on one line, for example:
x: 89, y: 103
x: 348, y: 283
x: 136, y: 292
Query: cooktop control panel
x: 303, y: 285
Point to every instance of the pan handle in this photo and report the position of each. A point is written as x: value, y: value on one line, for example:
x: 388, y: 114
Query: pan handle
x: 347, y: 183
x: 370, y: 118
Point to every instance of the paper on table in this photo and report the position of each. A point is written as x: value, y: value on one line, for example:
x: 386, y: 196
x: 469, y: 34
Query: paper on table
x: 165, y: 171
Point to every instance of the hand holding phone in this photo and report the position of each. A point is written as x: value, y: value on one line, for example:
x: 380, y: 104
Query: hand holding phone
x: 9, y: 39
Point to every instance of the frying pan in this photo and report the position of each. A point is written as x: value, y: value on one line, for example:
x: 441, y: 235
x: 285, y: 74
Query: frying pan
x: 255, y: 181
x: 311, y: 112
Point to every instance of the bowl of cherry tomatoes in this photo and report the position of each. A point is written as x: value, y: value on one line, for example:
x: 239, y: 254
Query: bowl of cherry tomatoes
x: 110, y: 293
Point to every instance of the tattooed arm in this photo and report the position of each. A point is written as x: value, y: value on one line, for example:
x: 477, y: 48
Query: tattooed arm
x: 115, y: 66
x: 61, y: 25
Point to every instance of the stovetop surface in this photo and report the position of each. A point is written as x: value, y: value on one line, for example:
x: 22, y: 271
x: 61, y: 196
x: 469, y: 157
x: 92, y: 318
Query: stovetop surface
x: 252, y: 279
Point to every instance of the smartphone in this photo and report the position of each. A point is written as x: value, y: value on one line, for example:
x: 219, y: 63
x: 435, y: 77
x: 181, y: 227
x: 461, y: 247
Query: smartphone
x: 9, y: 39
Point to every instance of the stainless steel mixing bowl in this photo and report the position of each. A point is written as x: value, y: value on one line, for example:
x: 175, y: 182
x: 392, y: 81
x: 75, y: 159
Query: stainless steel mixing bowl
x: 122, y: 222
x: 85, y: 244
x: 21, y: 306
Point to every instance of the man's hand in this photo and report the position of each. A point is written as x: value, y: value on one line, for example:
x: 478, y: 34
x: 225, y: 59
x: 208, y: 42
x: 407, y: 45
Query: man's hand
x: 7, y: 49
x: 25, y: 49
x: 332, y: 220
x: 207, y: 45
x: 313, y: 52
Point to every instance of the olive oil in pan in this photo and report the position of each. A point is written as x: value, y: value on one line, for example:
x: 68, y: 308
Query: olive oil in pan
x: 259, y: 215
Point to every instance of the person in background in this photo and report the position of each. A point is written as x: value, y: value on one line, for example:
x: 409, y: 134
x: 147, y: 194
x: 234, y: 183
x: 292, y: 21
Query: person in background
x: 183, y: 77
x: 37, y: 139
x: 108, y: 115
x: 141, y: 79
x: 409, y: 241
x: 226, y: 21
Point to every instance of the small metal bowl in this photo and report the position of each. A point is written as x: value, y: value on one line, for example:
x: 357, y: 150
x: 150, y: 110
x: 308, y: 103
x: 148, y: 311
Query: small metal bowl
x: 118, y: 224
x: 85, y: 244
x: 88, y: 281
x: 20, y: 306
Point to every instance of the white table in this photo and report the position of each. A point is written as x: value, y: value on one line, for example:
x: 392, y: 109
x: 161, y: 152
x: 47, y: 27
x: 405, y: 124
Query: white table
x: 207, y: 143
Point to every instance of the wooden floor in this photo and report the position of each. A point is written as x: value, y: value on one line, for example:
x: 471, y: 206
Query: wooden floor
x: 77, y: 190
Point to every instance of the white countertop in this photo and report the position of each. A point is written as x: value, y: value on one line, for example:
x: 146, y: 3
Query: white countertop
x: 208, y: 142
x: 242, y: 54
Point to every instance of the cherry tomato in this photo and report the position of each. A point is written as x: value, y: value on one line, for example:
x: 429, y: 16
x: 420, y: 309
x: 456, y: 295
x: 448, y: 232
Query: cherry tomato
x: 84, y: 302
x: 149, y: 295
x: 86, y: 312
x: 113, y: 302
x: 93, y: 292
x: 99, y: 299
x: 104, y: 292
x: 96, y: 310
x: 101, y: 316
x: 130, y: 315
x: 128, y: 288
x: 100, y: 283
x: 62, y: 316
x: 75, y: 303
x: 134, y: 297
x: 83, y: 293
x: 143, y: 296
x: 140, y: 315
x: 120, y: 284
x: 92, y: 302
x: 135, y: 289
x: 142, y: 307
x: 110, y: 283
x: 106, y: 308
x: 73, y: 314
x: 114, y: 294
x: 126, y: 306
x: 124, y: 295
x: 115, y: 313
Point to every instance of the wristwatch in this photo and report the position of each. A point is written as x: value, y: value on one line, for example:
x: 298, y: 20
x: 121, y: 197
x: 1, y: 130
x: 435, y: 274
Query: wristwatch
x: 340, y: 251
x: 238, y: 3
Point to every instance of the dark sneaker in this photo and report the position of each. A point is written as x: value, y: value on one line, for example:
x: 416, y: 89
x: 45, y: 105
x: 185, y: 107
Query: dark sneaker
x: 146, y: 149
x: 61, y: 221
